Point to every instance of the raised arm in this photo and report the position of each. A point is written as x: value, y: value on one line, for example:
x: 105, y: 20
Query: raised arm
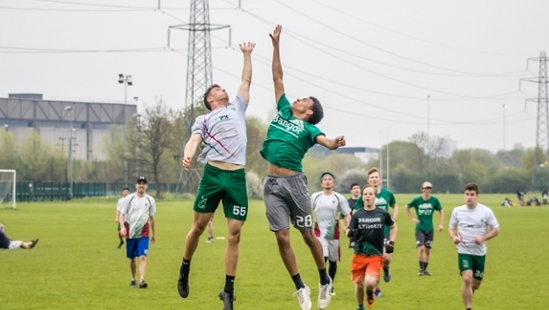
x: 244, y: 88
x: 190, y: 149
x: 277, y: 65
x: 331, y: 144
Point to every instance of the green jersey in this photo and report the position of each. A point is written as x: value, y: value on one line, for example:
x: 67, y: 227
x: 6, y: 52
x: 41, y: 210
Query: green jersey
x: 384, y: 200
x: 288, y: 138
x: 424, y: 211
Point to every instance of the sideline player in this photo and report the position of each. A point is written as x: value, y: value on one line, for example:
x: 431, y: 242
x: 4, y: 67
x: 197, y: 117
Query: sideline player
x: 472, y: 221
x: 125, y: 192
x: 367, y: 228
x: 223, y: 131
x: 384, y: 200
x: 138, y: 225
x: 291, y: 134
x: 425, y: 206
x: 326, y: 205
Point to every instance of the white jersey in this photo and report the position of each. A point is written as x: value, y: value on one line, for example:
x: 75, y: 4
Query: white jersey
x: 472, y: 223
x: 325, y: 208
x: 224, y: 133
x: 119, y: 206
x: 137, y: 211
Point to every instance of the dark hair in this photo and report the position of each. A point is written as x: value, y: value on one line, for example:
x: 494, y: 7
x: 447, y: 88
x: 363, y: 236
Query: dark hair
x: 318, y: 111
x: 365, y: 187
x: 325, y: 174
x: 353, y: 185
x: 126, y: 189
x: 472, y: 187
x: 207, y: 94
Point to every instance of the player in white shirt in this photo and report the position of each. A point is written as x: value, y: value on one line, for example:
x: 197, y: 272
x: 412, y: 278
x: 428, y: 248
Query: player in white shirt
x: 125, y: 192
x: 326, y: 205
x: 469, y: 231
x: 138, y: 225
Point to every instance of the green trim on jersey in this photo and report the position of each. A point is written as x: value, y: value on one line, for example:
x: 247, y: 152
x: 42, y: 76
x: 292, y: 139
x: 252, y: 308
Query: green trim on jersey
x: 288, y: 138
x: 424, y: 211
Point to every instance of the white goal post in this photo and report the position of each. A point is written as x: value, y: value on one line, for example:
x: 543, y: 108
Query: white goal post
x: 7, y: 184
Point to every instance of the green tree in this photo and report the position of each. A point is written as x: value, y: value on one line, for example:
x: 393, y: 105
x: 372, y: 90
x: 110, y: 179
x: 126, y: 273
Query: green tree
x: 35, y: 155
x: 8, y: 150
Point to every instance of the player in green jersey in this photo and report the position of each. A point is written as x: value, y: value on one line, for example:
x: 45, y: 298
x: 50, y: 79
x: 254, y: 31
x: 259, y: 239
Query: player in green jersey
x: 425, y: 206
x: 291, y: 134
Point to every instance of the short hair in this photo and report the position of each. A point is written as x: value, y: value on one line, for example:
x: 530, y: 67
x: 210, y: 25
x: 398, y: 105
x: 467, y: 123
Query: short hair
x: 318, y: 111
x: 353, y: 185
x: 471, y: 187
x: 207, y: 94
x: 126, y: 189
x: 372, y: 170
x: 365, y: 187
x: 325, y: 174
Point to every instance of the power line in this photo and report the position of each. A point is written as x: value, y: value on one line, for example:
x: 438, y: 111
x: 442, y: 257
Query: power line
x: 412, y: 37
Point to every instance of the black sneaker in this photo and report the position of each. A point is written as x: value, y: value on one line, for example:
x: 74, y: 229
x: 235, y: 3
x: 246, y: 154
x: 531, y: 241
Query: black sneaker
x: 133, y: 283
x: 183, y: 286
x: 34, y: 242
x: 227, y: 300
x: 120, y: 244
x: 143, y: 284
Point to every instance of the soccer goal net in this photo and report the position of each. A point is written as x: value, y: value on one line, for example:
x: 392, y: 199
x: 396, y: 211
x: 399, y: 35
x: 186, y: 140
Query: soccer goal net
x: 7, y: 187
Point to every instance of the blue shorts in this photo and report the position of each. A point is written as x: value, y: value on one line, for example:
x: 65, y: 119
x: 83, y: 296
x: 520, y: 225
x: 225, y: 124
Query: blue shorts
x: 137, y: 247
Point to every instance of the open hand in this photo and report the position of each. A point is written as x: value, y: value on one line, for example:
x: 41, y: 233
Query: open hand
x: 247, y: 47
x: 275, y: 36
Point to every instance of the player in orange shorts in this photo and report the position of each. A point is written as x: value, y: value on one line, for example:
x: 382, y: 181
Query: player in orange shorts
x: 366, y: 229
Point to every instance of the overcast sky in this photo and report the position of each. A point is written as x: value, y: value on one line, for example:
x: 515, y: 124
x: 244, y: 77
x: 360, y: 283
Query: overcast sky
x: 372, y: 64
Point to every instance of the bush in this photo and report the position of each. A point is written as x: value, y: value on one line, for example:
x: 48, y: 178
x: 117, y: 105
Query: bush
x: 254, y: 185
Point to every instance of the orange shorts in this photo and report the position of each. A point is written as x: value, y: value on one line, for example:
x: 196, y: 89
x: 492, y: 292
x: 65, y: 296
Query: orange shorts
x: 363, y: 265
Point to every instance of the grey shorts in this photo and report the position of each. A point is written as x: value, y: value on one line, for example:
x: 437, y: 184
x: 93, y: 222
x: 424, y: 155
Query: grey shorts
x: 424, y: 238
x: 287, y: 197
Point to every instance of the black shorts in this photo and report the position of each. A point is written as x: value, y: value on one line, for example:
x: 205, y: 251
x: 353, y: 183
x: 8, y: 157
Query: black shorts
x: 424, y: 238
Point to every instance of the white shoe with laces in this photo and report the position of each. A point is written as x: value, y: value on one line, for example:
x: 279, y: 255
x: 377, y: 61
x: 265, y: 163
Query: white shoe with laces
x: 304, y: 298
x: 325, y: 295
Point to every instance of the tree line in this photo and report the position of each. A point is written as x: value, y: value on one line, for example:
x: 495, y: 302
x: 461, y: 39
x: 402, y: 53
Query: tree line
x: 154, y: 149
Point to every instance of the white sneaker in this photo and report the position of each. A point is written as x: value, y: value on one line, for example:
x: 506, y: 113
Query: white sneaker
x: 304, y: 298
x: 324, y: 295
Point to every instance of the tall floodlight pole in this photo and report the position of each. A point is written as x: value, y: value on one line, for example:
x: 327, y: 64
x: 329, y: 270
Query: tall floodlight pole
x: 542, y: 124
x: 69, y: 109
x: 199, y: 68
x: 127, y: 81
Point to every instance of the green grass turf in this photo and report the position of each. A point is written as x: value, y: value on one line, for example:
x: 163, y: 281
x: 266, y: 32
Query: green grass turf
x: 76, y: 265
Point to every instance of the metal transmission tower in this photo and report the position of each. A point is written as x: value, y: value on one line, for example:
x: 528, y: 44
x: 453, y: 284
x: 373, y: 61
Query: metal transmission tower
x: 542, y: 125
x: 199, y: 71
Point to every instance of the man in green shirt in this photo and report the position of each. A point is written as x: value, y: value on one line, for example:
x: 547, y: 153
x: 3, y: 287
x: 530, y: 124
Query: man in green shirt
x: 425, y: 205
x: 291, y: 134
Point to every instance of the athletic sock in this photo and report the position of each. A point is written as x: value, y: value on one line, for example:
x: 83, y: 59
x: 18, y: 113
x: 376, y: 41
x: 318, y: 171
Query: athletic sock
x: 185, y: 267
x: 425, y: 265
x: 229, y: 285
x: 420, y: 265
x: 324, y: 279
x: 297, y: 281
x: 332, y: 270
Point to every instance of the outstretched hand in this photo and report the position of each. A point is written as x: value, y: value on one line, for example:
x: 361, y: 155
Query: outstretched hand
x: 275, y: 36
x: 247, y: 47
x: 340, y: 141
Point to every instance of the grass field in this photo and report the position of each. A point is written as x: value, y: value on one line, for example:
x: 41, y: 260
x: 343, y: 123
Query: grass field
x: 76, y: 265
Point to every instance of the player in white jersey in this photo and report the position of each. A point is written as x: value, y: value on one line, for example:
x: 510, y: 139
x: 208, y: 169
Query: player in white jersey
x: 469, y: 230
x: 223, y: 133
x: 125, y: 192
x: 138, y: 225
x: 326, y: 205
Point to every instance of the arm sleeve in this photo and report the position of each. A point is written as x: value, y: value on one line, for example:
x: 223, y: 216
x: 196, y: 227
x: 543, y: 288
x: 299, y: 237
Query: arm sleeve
x: 283, y: 104
x: 453, y: 220
x: 240, y: 104
x: 491, y: 220
x: 389, y: 220
x: 343, y: 205
x: 152, y: 209
x: 393, y: 201
x: 199, y: 126
x: 438, y: 206
x: 354, y: 221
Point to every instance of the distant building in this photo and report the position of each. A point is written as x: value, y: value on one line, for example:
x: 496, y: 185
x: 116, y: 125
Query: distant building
x: 52, y: 119
x: 363, y: 153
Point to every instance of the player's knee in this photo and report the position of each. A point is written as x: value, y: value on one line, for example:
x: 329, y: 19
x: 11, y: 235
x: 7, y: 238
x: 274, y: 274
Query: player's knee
x: 467, y: 277
x: 282, y: 238
x: 370, y: 282
x: 234, y: 237
x: 476, y: 284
